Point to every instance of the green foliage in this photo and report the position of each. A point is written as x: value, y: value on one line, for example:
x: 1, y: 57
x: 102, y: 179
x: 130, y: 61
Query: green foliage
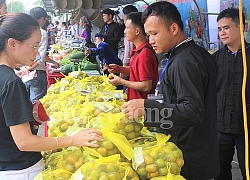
x: 16, y: 6
x: 39, y: 3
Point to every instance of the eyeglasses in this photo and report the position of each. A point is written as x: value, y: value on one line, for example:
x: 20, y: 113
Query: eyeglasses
x: 36, y: 48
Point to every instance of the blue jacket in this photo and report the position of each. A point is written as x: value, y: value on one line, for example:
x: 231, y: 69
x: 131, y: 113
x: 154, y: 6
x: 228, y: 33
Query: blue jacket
x: 106, y: 54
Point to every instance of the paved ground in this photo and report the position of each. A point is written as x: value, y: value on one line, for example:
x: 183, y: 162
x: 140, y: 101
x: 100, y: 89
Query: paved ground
x: 236, y: 170
x: 235, y: 167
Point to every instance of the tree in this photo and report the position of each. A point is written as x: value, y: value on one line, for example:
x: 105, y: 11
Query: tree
x: 16, y: 6
x: 39, y: 3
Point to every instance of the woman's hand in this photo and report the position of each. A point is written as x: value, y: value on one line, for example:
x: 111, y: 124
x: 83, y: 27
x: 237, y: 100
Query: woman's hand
x: 23, y: 71
x: 87, y: 137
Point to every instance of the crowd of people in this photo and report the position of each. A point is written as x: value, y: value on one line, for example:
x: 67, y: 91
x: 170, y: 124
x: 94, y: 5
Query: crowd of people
x: 200, y: 104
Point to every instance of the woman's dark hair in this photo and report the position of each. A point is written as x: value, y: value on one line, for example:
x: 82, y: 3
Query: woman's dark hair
x: 2, y: 1
x: 16, y: 25
x: 164, y: 10
x: 38, y: 13
x: 135, y: 18
x: 231, y: 13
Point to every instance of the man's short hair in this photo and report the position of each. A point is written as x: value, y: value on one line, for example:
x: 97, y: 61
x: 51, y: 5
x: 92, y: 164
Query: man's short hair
x: 38, y: 13
x: 129, y: 8
x: 108, y: 11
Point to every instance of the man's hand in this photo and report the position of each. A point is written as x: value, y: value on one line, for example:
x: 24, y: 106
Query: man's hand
x: 87, y: 51
x: 115, y: 80
x: 113, y: 68
x: 133, y: 108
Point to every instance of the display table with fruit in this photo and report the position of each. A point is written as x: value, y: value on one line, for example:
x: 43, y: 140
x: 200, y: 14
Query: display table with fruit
x: 128, y: 151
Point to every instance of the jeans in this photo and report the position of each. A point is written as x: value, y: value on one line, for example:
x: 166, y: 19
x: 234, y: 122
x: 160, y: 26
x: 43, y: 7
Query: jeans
x: 227, y: 143
x: 37, y: 87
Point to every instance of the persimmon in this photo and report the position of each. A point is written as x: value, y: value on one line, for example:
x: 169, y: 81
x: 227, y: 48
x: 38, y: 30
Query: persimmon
x: 110, y: 76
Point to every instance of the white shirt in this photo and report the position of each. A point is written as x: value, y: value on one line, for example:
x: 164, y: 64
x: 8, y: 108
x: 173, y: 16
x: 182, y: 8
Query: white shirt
x: 74, y: 30
x: 42, y: 51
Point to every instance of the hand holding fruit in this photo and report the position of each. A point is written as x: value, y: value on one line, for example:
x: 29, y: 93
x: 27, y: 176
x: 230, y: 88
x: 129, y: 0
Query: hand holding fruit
x: 114, y: 80
x: 87, y: 137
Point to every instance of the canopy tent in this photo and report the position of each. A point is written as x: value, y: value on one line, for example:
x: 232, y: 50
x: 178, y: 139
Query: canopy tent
x: 105, y: 4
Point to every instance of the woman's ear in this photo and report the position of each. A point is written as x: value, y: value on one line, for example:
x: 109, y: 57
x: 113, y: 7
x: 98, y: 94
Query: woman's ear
x: 11, y: 43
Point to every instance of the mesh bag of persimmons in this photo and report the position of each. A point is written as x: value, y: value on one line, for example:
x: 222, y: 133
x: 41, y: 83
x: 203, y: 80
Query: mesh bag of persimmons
x: 152, y: 159
x: 169, y: 176
x: 98, y: 169
x: 61, y: 165
x: 113, y: 142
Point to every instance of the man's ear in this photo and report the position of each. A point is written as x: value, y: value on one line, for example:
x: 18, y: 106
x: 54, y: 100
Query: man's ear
x: 174, y: 28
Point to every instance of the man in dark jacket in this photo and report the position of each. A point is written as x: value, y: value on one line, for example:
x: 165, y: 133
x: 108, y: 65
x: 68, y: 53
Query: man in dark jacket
x: 229, y: 92
x: 188, y: 84
x: 111, y: 29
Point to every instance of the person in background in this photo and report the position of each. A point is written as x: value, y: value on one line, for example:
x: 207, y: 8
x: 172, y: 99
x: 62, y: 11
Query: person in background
x: 86, y: 31
x: 111, y: 29
x: 46, y: 28
x: 187, y: 110
x: 230, y: 123
x: 143, y: 69
x: 62, y: 33
x: 37, y: 87
x: 20, y: 156
x: 73, y: 28
x: 104, y: 51
x: 56, y: 27
x: 128, y: 46
x: 51, y: 31
x: 3, y: 7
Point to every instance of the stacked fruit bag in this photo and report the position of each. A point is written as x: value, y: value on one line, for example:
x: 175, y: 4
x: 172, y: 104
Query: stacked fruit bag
x: 61, y: 165
x: 152, y: 159
x: 105, y: 168
x: 127, y: 172
x: 99, y: 169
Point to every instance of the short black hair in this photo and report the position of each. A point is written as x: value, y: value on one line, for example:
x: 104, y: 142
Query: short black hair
x: 108, y: 11
x: 128, y: 9
x: 102, y: 36
x: 164, y: 10
x: 38, y: 13
x: 135, y: 18
x: 231, y: 13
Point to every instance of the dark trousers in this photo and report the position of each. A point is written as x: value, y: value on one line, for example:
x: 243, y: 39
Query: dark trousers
x: 227, y: 145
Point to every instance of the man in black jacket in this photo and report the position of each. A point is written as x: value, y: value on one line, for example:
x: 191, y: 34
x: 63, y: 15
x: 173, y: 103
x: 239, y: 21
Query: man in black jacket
x: 229, y: 92
x: 111, y: 29
x: 188, y: 84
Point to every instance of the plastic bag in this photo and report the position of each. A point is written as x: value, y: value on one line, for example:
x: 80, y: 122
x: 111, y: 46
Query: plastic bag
x: 153, y: 158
